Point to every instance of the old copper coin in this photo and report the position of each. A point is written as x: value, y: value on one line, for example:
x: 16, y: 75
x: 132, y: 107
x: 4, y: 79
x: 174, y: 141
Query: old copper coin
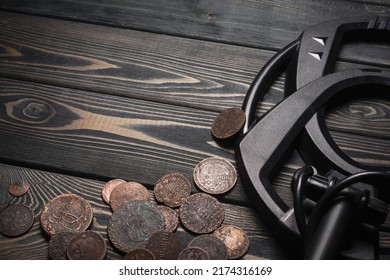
x: 5, y: 198
x: 139, y: 254
x: 172, y: 189
x: 164, y: 245
x: 58, y: 244
x: 193, y: 253
x: 228, y: 124
x: 18, y: 188
x: 235, y: 239
x: 66, y: 212
x: 16, y: 220
x: 126, y: 192
x: 108, y: 187
x: 87, y: 245
x: 215, y: 175
x: 171, y: 218
x: 201, y: 213
x: 131, y: 225
x: 214, y: 246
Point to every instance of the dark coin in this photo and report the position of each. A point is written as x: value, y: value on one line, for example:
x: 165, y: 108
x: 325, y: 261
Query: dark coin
x: 228, y: 124
x: 171, y: 218
x: 5, y: 198
x: 235, y: 239
x: 139, y: 254
x: 16, y: 220
x: 172, y: 189
x: 164, y: 245
x: 58, y: 244
x: 66, y: 212
x: 131, y: 225
x: 201, y: 213
x: 108, y: 187
x: 215, y: 175
x: 215, y: 248
x: 18, y: 188
x: 193, y: 253
x: 127, y: 192
x: 87, y: 245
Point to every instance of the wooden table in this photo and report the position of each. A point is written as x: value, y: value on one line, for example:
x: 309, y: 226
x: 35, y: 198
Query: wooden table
x: 94, y: 90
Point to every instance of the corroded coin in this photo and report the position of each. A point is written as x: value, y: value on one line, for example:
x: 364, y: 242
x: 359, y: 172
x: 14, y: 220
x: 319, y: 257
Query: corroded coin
x: 171, y: 218
x: 193, y: 253
x: 164, y: 245
x: 228, y: 124
x: 139, y: 254
x: 215, y: 175
x: 87, y: 245
x: 16, y: 220
x: 172, y: 189
x: 214, y: 246
x: 127, y: 192
x: 66, y: 212
x: 58, y: 244
x: 108, y: 187
x: 18, y: 188
x: 201, y: 213
x: 235, y: 239
x: 131, y: 225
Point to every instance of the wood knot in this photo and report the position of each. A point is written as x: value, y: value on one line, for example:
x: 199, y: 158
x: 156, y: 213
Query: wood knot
x: 31, y: 111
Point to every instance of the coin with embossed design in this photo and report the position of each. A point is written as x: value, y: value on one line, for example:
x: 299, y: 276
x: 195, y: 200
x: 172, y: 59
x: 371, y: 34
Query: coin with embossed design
x: 58, y: 244
x: 235, y: 239
x: 201, y: 213
x: 18, y: 188
x: 164, y: 245
x: 172, y: 189
x: 16, y: 220
x: 214, y: 246
x: 193, y: 253
x: 139, y: 254
x: 87, y: 245
x: 108, y: 187
x: 127, y: 192
x: 66, y: 212
x: 131, y: 225
x: 171, y: 218
x: 215, y: 175
x: 228, y: 124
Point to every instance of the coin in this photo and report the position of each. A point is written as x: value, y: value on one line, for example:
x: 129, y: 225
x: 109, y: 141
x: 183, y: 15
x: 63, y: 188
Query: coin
x: 16, y: 220
x: 172, y: 189
x: 235, y: 239
x: 66, y: 212
x: 126, y: 192
x: 58, y: 244
x: 164, y: 245
x: 171, y: 218
x: 228, y: 124
x: 18, y: 188
x: 201, y: 213
x: 87, y: 245
x: 214, y: 246
x: 5, y: 198
x: 131, y: 225
x: 108, y: 187
x: 193, y: 253
x: 139, y: 254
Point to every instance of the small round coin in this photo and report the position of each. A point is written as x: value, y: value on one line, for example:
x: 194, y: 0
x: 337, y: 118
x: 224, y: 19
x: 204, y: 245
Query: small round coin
x: 215, y: 175
x: 108, y: 187
x: 87, y: 245
x: 66, y: 212
x: 201, y: 213
x: 16, y: 220
x: 127, y: 192
x: 18, y: 188
x: 139, y: 254
x: 164, y: 245
x: 131, y: 225
x: 172, y: 189
x: 214, y: 246
x: 171, y: 218
x: 193, y: 253
x: 58, y: 244
x: 235, y: 239
x: 228, y: 124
